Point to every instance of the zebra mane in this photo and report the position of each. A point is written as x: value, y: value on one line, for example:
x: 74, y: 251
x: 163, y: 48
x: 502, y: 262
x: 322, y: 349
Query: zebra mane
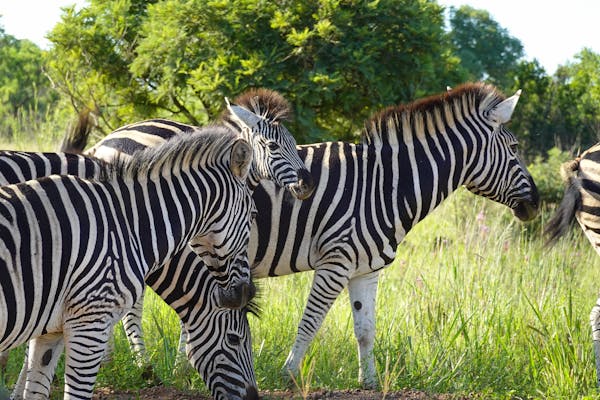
x: 266, y: 103
x: 388, y: 121
x: 204, y: 146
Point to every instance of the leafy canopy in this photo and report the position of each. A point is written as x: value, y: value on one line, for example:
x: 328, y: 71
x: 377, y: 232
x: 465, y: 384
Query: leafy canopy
x: 336, y: 61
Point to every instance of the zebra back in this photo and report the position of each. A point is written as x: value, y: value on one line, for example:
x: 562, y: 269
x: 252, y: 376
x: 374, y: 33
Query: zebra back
x: 21, y: 166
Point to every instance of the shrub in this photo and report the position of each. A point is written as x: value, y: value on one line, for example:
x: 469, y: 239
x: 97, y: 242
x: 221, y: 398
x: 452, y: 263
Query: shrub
x: 546, y: 174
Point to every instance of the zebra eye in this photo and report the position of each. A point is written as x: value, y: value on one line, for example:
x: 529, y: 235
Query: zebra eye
x: 273, y: 146
x: 233, y: 339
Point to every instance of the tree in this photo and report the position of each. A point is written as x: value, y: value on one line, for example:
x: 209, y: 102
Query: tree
x: 561, y: 110
x: 486, y: 50
x: 336, y: 61
x: 578, y: 99
x: 90, y: 58
x: 24, y: 88
x: 530, y: 121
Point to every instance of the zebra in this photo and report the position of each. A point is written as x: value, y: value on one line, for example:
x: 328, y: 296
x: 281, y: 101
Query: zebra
x: 581, y: 201
x: 369, y: 195
x: 219, y: 345
x: 198, y: 311
x: 82, y: 246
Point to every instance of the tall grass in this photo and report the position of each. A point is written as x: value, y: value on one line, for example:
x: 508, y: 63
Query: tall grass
x: 473, y: 304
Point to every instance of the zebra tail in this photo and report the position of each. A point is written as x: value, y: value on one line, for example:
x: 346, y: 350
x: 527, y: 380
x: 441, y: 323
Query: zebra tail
x: 564, y: 215
x: 77, y: 135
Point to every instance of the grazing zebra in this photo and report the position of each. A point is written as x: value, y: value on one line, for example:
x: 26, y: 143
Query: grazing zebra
x: 371, y: 194
x: 75, y: 252
x: 581, y: 201
x: 219, y: 345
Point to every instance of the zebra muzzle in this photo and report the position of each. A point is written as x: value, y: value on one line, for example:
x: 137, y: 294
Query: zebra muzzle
x: 527, y: 207
x: 305, y: 185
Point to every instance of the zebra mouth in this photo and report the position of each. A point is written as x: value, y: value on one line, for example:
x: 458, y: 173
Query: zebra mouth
x: 527, y: 206
x: 236, y: 297
x: 525, y: 210
x: 304, y: 187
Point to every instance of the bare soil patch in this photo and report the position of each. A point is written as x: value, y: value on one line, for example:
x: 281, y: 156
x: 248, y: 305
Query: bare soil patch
x: 164, y: 393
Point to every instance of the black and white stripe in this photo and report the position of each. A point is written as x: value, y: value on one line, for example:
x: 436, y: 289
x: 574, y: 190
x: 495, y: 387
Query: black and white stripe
x: 581, y: 201
x: 93, y: 249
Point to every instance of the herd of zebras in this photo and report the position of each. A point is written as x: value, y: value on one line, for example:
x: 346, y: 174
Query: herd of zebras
x: 198, y: 213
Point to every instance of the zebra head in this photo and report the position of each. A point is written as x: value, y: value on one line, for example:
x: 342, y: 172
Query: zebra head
x: 500, y: 174
x: 259, y: 115
x: 224, y: 361
x: 222, y: 242
x: 217, y: 340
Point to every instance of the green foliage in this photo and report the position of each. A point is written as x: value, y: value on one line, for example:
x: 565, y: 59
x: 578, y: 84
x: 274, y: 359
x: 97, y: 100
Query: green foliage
x: 546, y: 174
x: 560, y: 111
x: 486, y: 50
x: 90, y: 57
x: 578, y: 98
x: 336, y: 61
x: 26, y: 97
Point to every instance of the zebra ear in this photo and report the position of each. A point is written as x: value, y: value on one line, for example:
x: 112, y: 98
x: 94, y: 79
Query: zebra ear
x: 241, y: 158
x: 248, y: 118
x: 503, y: 111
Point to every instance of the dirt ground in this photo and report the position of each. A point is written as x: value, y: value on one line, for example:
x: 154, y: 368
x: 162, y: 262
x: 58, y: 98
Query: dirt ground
x: 162, y: 393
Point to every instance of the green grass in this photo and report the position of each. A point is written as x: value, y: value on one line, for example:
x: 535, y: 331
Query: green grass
x: 473, y: 304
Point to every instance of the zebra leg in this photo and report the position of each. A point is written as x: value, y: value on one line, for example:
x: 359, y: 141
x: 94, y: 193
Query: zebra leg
x: 19, y: 388
x: 595, y: 321
x: 132, y: 324
x: 181, y: 358
x: 363, y: 293
x: 41, y: 358
x: 182, y: 364
x: 84, y: 350
x: 327, y: 284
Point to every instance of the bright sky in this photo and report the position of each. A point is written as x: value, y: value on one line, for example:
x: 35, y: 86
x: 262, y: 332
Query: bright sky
x: 552, y: 31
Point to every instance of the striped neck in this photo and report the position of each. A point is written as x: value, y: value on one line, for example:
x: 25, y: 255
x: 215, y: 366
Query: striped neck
x: 429, y: 152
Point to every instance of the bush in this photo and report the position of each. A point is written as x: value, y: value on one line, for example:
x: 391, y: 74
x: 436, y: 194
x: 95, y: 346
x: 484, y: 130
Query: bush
x: 546, y: 174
